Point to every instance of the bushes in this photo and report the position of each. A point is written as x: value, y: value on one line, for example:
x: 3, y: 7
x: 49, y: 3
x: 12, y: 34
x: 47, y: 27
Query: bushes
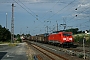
x: 79, y: 39
x: 81, y: 56
x: 88, y: 41
x: 19, y: 40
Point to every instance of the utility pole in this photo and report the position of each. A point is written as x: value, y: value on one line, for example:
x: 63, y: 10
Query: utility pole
x: 12, y: 25
x: 84, y: 48
x: 6, y: 20
x: 64, y: 23
x: 57, y: 25
x: 47, y: 29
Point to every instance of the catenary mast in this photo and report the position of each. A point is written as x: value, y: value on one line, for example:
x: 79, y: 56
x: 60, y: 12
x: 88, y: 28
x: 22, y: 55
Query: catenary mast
x: 12, y: 25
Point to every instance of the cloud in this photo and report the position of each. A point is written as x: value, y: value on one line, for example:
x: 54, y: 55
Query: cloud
x: 84, y: 5
x: 46, y: 10
x: 83, y: 9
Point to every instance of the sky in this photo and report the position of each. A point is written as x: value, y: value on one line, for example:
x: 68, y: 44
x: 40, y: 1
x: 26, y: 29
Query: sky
x: 35, y: 16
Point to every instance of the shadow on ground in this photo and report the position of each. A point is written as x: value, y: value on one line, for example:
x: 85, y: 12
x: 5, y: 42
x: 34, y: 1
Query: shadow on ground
x: 2, y: 54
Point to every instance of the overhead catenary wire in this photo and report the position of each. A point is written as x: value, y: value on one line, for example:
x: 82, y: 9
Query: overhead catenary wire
x: 77, y: 15
x: 25, y: 9
x: 24, y: 1
x: 50, y: 10
x: 82, y: 24
x: 71, y: 18
x: 35, y: 16
x: 61, y: 9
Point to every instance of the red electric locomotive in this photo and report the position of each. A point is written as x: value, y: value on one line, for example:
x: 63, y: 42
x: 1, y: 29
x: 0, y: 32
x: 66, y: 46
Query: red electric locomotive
x: 62, y: 38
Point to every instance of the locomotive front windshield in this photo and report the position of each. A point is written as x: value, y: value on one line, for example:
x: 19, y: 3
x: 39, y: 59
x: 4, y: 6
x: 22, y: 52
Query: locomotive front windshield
x: 67, y: 34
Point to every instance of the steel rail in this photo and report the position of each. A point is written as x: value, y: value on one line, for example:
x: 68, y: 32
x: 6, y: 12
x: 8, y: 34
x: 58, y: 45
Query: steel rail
x: 49, y: 54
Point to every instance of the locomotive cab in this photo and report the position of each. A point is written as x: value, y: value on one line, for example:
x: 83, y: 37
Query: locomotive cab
x: 61, y: 38
x: 67, y: 38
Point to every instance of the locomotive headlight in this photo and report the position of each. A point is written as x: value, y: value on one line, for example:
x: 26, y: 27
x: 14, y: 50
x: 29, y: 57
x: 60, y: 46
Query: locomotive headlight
x: 64, y: 38
x: 70, y: 38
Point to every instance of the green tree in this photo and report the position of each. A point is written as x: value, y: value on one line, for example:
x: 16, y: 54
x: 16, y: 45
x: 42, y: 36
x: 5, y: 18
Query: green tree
x: 73, y: 30
x: 5, y: 34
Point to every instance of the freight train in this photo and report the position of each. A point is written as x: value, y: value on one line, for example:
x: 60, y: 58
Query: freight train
x: 60, y: 38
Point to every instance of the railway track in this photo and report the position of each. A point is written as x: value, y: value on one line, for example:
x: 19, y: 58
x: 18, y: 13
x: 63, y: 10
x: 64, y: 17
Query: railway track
x: 49, y: 54
x: 78, y: 50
